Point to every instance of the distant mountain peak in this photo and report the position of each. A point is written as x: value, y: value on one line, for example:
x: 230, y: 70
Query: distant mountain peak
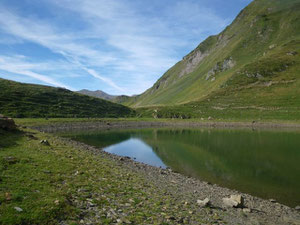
x: 97, y: 94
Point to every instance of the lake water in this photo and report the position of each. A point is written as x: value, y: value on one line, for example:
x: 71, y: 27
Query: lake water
x: 263, y: 163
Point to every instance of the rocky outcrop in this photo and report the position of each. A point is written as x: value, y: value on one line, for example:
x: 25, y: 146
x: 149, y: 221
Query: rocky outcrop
x: 7, y: 123
x: 192, y: 61
x: 220, y: 67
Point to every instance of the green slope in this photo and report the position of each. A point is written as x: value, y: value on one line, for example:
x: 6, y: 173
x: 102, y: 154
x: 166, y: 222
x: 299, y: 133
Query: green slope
x: 28, y: 100
x: 253, y: 63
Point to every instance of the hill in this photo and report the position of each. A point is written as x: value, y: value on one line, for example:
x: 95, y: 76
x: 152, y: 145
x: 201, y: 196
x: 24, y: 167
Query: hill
x: 29, y: 100
x: 120, y: 99
x: 253, y: 65
x: 97, y: 94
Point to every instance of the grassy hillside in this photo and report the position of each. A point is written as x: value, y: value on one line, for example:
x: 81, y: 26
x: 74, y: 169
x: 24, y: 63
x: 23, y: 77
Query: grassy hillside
x: 252, y: 66
x: 28, y: 100
x: 261, y: 90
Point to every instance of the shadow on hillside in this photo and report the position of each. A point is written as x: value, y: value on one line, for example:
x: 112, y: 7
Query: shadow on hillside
x: 9, y: 138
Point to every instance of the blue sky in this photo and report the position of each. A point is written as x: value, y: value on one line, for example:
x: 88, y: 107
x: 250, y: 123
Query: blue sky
x: 118, y: 46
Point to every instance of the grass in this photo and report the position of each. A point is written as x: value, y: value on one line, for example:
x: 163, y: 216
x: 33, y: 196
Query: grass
x: 28, y: 100
x: 31, y: 178
x: 56, y: 183
x: 267, y: 89
x: 263, y: 41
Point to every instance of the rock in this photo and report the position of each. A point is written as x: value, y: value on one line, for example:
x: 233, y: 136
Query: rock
x: 11, y: 160
x: 45, y: 142
x: 246, y: 210
x: 292, y: 53
x: 209, y: 118
x: 7, y: 196
x: 236, y: 201
x: 203, y: 203
x: 272, y: 46
x: 7, y: 123
x: 56, y: 202
x: 272, y: 200
x: 297, y: 207
x: 18, y: 209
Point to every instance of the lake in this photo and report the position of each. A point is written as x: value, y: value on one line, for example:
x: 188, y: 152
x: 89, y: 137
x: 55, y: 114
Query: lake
x: 264, y: 163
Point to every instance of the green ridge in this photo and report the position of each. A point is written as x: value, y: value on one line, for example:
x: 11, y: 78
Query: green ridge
x: 29, y: 100
x: 253, y: 63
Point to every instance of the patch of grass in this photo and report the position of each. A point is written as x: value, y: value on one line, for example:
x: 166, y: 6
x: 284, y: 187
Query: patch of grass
x: 31, y: 179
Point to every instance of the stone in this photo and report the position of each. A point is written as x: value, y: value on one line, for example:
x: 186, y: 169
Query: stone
x: 45, y: 142
x: 246, y: 210
x: 11, y: 160
x: 203, y: 203
x: 56, y: 202
x: 293, y: 53
x: 18, y: 209
x: 272, y: 46
x: 272, y: 200
x: 236, y: 201
x: 7, y: 196
x: 7, y: 123
x: 297, y: 207
x: 209, y: 118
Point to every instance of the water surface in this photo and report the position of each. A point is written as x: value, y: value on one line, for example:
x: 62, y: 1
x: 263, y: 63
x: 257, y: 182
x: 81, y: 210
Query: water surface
x: 260, y: 162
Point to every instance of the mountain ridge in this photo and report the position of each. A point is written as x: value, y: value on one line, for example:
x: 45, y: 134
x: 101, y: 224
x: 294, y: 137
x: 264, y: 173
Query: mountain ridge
x: 260, y: 31
x: 32, y: 100
x: 97, y: 94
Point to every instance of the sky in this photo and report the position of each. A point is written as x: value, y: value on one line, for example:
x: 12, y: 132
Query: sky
x: 117, y: 46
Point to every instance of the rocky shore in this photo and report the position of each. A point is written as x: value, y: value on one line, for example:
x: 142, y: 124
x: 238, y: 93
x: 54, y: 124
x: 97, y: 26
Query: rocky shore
x: 188, y: 198
x: 56, y: 127
x: 188, y: 194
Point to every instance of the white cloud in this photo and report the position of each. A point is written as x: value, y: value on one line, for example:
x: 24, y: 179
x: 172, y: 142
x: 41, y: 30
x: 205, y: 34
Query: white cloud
x: 17, y: 65
x: 46, y: 36
x: 129, y: 50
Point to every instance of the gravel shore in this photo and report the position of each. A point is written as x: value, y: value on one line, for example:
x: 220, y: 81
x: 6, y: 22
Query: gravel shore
x: 179, y: 193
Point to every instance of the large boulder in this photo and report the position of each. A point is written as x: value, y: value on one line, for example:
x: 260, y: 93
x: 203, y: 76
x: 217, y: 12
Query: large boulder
x: 7, y: 123
x: 236, y: 201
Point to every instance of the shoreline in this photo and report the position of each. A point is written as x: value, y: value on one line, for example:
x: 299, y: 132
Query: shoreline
x: 258, y: 209
x: 191, y: 189
x: 61, y: 126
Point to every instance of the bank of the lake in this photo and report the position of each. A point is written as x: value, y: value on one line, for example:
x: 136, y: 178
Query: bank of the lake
x: 69, y: 182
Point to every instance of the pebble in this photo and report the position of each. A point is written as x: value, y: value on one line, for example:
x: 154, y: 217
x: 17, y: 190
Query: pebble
x: 246, y: 210
x: 18, y: 209
x: 204, y: 202
x: 44, y: 142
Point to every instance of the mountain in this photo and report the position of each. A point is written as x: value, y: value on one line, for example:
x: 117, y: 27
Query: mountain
x: 120, y: 99
x: 252, y: 65
x: 97, y: 94
x: 30, y: 100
